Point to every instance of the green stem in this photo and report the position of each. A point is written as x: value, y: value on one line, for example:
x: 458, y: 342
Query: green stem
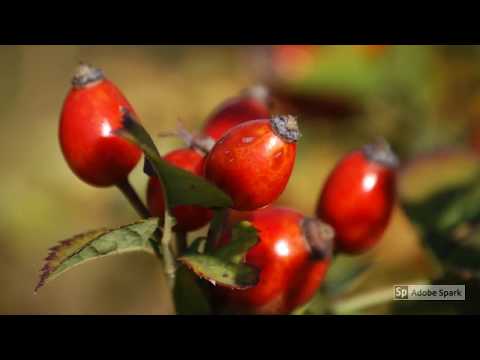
x: 168, y: 257
x: 155, y: 244
x: 364, y: 301
x: 129, y: 192
x: 216, y: 228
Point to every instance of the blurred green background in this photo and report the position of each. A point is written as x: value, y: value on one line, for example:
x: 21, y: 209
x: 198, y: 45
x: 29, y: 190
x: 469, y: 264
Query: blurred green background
x: 420, y: 98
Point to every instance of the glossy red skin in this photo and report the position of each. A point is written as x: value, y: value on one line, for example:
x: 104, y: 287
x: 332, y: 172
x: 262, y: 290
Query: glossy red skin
x: 189, y: 217
x: 89, y: 116
x: 357, y: 201
x: 251, y: 164
x: 233, y: 112
x: 288, y: 276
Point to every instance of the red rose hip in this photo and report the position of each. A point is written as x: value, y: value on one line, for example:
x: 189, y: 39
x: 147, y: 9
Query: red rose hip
x: 189, y: 217
x: 91, y: 112
x: 253, y: 161
x: 358, y: 197
x: 292, y: 257
x: 252, y: 105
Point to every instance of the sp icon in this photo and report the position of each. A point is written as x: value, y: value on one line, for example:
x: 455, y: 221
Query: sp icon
x: 400, y: 293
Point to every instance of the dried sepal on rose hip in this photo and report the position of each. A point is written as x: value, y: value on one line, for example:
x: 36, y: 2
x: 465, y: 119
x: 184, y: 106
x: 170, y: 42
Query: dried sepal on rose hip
x: 292, y: 256
x: 253, y: 162
x: 358, y: 197
x: 252, y: 103
x: 91, y: 112
x: 188, y: 217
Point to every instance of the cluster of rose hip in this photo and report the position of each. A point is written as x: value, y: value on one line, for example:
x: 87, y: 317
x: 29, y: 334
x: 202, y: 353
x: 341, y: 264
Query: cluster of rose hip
x: 249, y: 154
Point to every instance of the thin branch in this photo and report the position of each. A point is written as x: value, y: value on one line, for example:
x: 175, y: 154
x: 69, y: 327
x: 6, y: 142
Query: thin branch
x: 129, y: 192
x: 168, y: 257
x: 368, y: 300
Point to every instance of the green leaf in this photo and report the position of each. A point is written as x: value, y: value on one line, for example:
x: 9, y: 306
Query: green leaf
x: 345, y: 273
x: 188, y: 295
x: 461, y: 255
x: 448, y: 221
x: 221, y: 272
x: 362, y: 303
x: 347, y: 71
x: 318, y: 305
x: 244, y: 237
x: 346, y: 75
x: 224, y: 267
x: 95, y: 244
x: 182, y: 187
x: 432, y: 172
x: 427, y: 213
x: 465, y: 207
x: 453, y: 198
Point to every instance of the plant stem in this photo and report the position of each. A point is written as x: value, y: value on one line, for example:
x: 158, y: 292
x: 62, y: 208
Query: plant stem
x: 129, y: 192
x: 154, y: 243
x: 216, y: 228
x: 168, y: 257
x: 181, y: 243
x: 368, y: 300
x: 363, y: 301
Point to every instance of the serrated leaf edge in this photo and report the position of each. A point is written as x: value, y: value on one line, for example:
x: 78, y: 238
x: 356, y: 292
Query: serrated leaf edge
x: 48, y: 274
x: 185, y: 261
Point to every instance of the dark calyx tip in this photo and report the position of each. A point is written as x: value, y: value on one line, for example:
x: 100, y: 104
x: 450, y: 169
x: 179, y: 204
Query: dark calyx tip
x: 86, y: 74
x: 381, y: 153
x: 319, y: 236
x: 286, y: 127
x: 127, y: 118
